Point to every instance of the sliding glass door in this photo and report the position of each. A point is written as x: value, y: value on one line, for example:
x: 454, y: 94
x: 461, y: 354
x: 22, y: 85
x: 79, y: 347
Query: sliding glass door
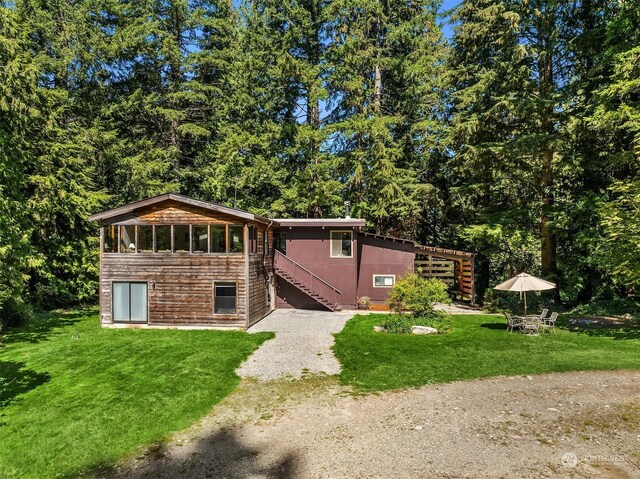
x: 130, y: 302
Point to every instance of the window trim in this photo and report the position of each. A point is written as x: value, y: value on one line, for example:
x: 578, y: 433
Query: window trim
x: 113, y: 320
x: 331, y: 255
x: 214, y: 298
x: 383, y: 275
x: 118, y: 228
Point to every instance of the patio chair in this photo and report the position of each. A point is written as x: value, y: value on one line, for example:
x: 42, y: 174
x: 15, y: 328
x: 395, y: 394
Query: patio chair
x: 531, y: 325
x: 543, y: 314
x: 512, y: 321
x: 549, y: 324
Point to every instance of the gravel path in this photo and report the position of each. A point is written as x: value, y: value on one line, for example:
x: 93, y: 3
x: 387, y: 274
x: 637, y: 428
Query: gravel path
x: 302, y: 344
x: 572, y: 425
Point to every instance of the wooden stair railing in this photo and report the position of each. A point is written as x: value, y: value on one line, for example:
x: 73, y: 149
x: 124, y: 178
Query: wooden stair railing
x: 306, y: 281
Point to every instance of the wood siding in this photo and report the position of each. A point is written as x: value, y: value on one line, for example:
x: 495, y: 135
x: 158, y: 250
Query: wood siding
x: 260, y: 276
x: 172, y: 212
x: 180, y: 286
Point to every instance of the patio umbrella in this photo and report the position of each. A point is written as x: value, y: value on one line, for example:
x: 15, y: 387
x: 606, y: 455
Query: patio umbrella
x: 525, y: 282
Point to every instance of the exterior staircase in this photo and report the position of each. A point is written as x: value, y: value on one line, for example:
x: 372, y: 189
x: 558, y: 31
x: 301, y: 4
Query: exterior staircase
x: 303, y: 279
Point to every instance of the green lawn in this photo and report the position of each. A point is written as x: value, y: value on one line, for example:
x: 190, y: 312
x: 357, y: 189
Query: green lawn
x: 478, y: 346
x: 75, y: 397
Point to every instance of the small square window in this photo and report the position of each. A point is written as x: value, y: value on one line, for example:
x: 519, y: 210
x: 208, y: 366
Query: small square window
x: 341, y: 244
x: 224, y: 301
x: 383, y: 280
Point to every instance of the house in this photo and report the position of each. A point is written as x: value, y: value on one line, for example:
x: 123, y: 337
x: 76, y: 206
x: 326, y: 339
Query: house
x: 174, y: 261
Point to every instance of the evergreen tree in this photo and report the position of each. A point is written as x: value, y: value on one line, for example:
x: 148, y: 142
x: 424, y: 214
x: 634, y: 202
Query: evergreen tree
x: 377, y: 49
x: 18, y: 119
x: 616, y: 121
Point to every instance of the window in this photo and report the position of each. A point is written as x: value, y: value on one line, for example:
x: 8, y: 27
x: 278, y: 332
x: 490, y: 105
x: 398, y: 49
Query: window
x: 181, y: 239
x: 341, y: 244
x: 110, y: 239
x: 127, y: 239
x: 236, y: 239
x: 224, y: 300
x: 280, y: 242
x: 384, y: 280
x: 145, y: 239
x: 163, y: 239
x: 218, y: 239
x: 129, y: 302
x: 200, y: 239
x: 253, y: 239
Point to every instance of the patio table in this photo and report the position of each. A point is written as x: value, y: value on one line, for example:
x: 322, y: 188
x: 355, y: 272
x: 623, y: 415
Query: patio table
x: 530, y: 324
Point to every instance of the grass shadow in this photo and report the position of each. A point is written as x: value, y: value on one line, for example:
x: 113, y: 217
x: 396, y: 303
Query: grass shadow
x: 42, y: 327
x: 16, y: 380
x: 618, y: 329
x: 222, y: 454
x: 618, y: 334
x: 495, y: 326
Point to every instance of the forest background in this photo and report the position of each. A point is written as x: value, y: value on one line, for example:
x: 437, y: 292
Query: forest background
x: 515, y: 134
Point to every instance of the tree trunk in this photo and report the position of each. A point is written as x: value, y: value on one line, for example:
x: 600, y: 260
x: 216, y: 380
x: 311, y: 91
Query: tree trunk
x: 377, y: 88
x: 547, y: 87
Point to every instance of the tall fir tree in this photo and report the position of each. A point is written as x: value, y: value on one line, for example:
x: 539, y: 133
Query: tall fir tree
x: 376, y: 49
x: 19, y: 117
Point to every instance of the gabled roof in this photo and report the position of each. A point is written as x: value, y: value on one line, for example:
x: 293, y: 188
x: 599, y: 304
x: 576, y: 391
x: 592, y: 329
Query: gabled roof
x: 329, y: 222
x: 138, y: 205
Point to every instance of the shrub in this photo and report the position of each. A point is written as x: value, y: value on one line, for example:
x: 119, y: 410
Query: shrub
x: 13, y: 313
x: 418, y: 295
x: 364, y: 301
x: 401, y: 323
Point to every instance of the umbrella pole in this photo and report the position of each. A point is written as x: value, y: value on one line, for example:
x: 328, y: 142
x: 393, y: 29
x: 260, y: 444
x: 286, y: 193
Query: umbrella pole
x: 525, y: 303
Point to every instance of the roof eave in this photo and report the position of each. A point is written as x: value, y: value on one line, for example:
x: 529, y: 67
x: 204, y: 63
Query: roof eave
x: 137, y: 205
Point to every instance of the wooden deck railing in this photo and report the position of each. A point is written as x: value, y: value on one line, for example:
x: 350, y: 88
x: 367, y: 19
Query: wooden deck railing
x: 318, y: 288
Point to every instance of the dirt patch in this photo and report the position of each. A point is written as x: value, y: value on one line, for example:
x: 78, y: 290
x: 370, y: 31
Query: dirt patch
x: 574, y: 425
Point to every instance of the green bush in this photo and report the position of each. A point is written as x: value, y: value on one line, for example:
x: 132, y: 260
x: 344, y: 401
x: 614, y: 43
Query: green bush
x: 401, y: 323
x: 418, y: 295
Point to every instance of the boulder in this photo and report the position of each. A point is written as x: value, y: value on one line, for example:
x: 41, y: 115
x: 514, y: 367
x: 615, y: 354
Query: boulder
x: 379, y: 329
x: 423, y: 330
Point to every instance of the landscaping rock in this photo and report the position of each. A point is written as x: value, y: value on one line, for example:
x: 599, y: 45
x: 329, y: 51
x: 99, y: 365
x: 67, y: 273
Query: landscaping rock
x: 379, y: 329
x: 423, y: 330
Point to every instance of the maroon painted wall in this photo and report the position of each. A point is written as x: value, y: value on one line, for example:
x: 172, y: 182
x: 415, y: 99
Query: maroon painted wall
x: 310, y: 247
x: 380, y: 256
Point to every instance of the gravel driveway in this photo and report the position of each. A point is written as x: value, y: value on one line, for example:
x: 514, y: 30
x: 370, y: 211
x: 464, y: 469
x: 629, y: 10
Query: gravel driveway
x: 572, y: 425
x: 302, y: 344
